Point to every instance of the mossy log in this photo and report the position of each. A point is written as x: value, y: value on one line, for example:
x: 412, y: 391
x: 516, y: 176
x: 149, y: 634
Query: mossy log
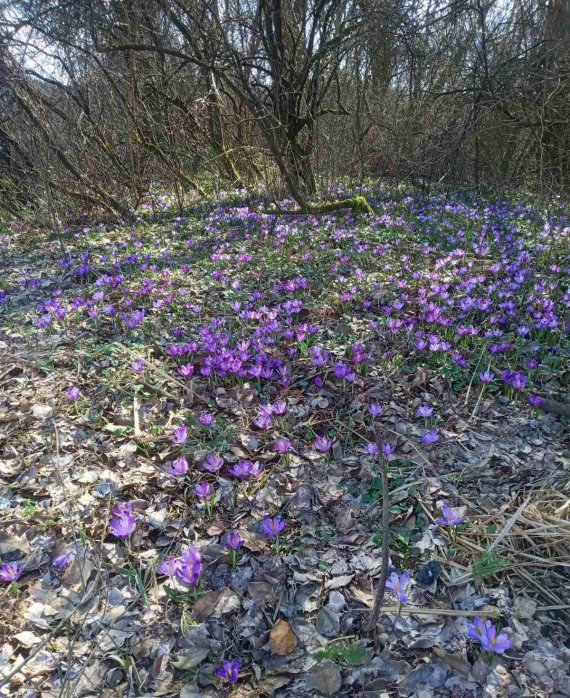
x: 357, y: 204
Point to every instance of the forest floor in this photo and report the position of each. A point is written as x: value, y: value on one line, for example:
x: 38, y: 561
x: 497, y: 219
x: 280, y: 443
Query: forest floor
x: 253, y: 355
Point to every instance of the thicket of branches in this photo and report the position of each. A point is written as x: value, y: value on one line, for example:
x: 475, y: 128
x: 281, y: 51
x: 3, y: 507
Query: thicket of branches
x: 102, y: 99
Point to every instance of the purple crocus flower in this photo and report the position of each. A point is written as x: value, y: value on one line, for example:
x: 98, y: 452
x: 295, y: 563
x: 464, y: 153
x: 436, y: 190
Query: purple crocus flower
x: 213, y: 462
x: 186, y: 371
x: 451, y: 517
x: 320, y: 356
x: 487, y: 377
x: 425, y: 411
x: 170, y: 566
x: 283, y: 446
x: 485, y: 633
x: 519, y: 381
x: 234, y: 541
x: 387, y: 450
x: 207, y: 419
x: 371, y: 448
x: 179, y: 467
x: 399, y: 585
x: 323, y: 444
x: 229, y: 671
x: 279, y: 407
x: 73, y: 392
x: 62, y: 559
x: 272, y: 527
x: 190, y: 567
x: 180, y: 435
x: 375, y: 410
x: 535, y: 400
x: 203, y: 490
x: 137, y: 366
x: 430, y: 437
x: 10, y: 571
x: 124, y: 523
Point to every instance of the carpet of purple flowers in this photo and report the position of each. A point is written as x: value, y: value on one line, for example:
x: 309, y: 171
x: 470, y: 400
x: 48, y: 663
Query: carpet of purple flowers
x: 189, y: 477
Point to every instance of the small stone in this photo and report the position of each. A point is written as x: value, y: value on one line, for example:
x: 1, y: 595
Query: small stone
x: 336, y: 601
x: 524, y: 607
x: 328, y: 622
x: 325, y: 678
x: 113, y: 677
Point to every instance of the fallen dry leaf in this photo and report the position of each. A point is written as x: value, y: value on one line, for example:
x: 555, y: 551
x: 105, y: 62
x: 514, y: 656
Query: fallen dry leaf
x: 282, y: 639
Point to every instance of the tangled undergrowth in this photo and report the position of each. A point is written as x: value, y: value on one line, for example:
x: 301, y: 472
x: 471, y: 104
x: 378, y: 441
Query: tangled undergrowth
x: 191, y: 493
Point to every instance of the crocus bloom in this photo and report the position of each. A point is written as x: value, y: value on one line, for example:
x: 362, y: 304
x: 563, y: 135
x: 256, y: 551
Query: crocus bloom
x: 190, y: 567
x: 234, y: 541
x: 430, y: 437
x: 213, y: 462
x: 72, y: 393
x: 371, y: 448
x: 10, y: 571
x: 279, y: 408
x: 485, y: 633
x: 272, y: 527
x: 62, y: 559
x: 487, y: 377
x: 519, y: 381
x: 124, y: 524
x: 137, y: 365
x: 229, y: 670
x: 534, y: 400
x: 375, y: 410
x: 187, y: 370
x: 283, y: 446
x: 179, y: 467
x: 399, y: 585
x: 425, y: 411
x: 320, y: 356
x: 203, y: 490
x: 245, y: 468
x: 323, y: 444
x: 207, y: 419
x: 387, y: 450
x: 180, y: 435
x: 451, y: 517
x: 170, y: 566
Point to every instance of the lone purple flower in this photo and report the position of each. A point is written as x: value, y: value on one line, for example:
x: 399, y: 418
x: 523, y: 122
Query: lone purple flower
x: 485, y: 633
x: 234, y: 541
x: 180, y: 435
x: 61, y: 560
x: 430, y: 437
x: 179, y: 467
x: 387, y: 450
x: 283, y: 446
x: 213, y: 462
x: 124, y: 524
x: 203, y: 490
x: 73, y: 393
x: 323, y: 444
x: 10, y: 571
x: 451, y: 517
x: 399, y: 585
x: 375, y: 410
x: 272, y: 527
x: 207, y: 419
x: 229, y: 671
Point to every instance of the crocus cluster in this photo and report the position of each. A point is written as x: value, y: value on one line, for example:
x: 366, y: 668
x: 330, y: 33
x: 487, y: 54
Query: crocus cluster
x: 187, y: 568
x: 485, y: 633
